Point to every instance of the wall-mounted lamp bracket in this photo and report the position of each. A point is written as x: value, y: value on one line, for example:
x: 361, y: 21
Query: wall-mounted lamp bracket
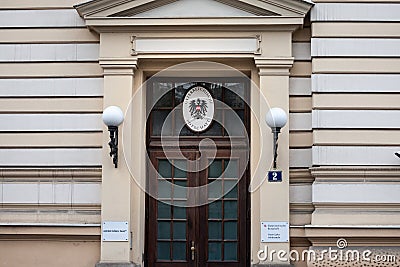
x: 113, y: 144
x: 276, y: 132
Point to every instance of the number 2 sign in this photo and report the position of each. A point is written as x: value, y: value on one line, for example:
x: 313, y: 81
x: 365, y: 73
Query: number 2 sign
x: 275, y: 176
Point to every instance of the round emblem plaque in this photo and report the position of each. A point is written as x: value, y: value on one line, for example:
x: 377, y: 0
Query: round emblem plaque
x: 198, y: 109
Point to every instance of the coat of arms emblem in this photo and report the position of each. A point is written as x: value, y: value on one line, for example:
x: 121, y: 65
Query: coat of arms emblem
x: 198, y: 109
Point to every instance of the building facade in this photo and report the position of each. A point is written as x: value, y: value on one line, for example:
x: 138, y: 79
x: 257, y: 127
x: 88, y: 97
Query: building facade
x: 187, y: 194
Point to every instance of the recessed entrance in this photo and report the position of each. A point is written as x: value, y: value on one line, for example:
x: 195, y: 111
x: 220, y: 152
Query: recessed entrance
x: 198, y: 205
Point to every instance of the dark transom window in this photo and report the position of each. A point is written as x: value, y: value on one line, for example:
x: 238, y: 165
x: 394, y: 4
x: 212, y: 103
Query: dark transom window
x: 168, y: 94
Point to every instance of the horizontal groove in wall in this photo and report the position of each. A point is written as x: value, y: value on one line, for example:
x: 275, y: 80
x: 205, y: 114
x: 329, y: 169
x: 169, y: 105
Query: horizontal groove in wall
x: 356, y: 65
x: 301, y: 69
x: 356, y: 137
x: 48, y: 36
x: 50, y: 70
x: 356, y: 101
x: 354, y: 29
x: 297, y: 104
x: 57, y: 105
x: 298, y: 139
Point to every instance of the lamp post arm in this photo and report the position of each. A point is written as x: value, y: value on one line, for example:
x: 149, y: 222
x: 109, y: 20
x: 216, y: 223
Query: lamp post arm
x: 276, y: 132
x: 113, y: 144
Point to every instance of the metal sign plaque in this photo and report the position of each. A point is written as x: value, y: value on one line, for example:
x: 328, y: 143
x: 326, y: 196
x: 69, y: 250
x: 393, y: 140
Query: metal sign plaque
x: 115, y: 231
x: 275, y: 176
x: 198, y: 109
x: 274, y: 232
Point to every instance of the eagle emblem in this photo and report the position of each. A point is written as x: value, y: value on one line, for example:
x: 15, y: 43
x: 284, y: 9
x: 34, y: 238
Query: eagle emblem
x: 198, y: 108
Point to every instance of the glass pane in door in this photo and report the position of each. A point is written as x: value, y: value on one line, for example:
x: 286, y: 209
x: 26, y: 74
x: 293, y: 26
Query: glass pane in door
x: 171, y: 213
x: 223, y: 210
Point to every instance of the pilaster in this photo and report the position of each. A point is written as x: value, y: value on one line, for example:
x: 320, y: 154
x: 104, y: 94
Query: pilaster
x: 274, y: 197
x: 116, y: 182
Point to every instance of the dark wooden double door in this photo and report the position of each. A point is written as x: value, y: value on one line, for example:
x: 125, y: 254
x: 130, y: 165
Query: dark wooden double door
x: 197, y: 214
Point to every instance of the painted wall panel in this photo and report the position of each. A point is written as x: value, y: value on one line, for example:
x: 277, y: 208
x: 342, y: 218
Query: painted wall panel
x: 168, y: 45
x: 373, y: 119
x: 40, y: 139
x: 86, y: 193
x: 51, y: 193
x: 62, y: 193
x: 51, y: 87
x: 355, y: 193
x: 46, y: 193
x: 297, y: 139
x: 300, y: 157
x: 20, y: 193
x: 356, y: 65
x: 354, y: 29
x: 355, y: 12
x: 300, y: 86
x: 300, y: 121
x: 301, y: 51
x: 355, y: 155
x: 355, y: 83
x: 50, y: 122
x: 300, y: 193
x: 52, y: 69
x: 356, y: 101
x: 351, y: 47
x: 48, y: 52
x: 40, y: 18
x: 356, y: 137
x: 57, y: 105
x: 50, y: 157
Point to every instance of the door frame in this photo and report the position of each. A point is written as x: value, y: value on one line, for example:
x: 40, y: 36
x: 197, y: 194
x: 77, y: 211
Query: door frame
x: 219, y: 143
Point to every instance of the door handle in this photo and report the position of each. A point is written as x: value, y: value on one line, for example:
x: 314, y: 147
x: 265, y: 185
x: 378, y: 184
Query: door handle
x: 193, y: 250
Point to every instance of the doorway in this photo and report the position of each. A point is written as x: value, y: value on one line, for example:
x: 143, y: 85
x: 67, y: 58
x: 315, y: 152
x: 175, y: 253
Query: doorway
x: 197, y: 207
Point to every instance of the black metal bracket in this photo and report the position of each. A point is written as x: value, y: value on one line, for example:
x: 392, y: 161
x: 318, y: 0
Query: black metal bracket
x: 276, y: 132
x: 113, y: 144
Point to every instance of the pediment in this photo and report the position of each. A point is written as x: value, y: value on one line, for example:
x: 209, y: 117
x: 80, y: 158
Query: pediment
x: 192, y: 8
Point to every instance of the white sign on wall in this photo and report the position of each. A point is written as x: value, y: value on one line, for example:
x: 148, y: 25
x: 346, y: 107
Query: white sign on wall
x: 115, y: 231
x: 273, y: 232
